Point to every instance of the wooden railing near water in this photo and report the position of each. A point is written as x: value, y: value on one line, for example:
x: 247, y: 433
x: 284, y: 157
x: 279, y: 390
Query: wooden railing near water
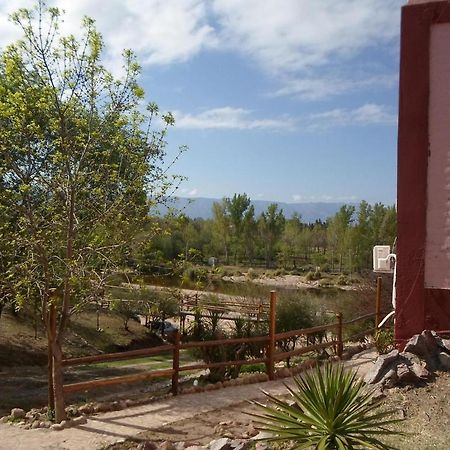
x: 268, y: 343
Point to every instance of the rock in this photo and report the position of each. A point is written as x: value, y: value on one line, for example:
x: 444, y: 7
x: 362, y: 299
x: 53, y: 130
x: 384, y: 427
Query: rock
x: 147, y: 445
x: 378, y: 394
x: 35, y: 424
x: 57, y: 427
x: 18, y: 413
x: 195, y: 447
x: 81, y: 420
x: 115, y: 406
x: 239, y: 444
x: 381, y: 367
x: 220, y: 444
x: 129, y: 402
x: 407, y: 376
x: 104, y: 407
x: 86, y: 409
x: 445, y: 344
x: 72, y: 411
x: 425, y: 346
x: 261, y: 435
x: 444, y: 359
x: 420, y: 371
x: 5, y: 419
x: 390, y: 379
x: 46, y: 424
x: 166, y: 445
x: 261, y: 446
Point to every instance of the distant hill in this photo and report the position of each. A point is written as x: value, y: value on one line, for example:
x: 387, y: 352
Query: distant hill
x: 201, y: 207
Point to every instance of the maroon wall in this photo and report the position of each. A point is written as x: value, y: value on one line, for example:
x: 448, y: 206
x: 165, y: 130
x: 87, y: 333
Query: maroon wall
x: 417, y: 308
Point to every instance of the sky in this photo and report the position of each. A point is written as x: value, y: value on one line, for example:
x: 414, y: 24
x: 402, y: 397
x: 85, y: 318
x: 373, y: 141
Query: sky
x: 285, y: 100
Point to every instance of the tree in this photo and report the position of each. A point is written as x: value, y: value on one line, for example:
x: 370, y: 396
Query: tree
x: 290, y: 239
x: 241, y: 214
x: 339, y: 231
x: 78, y: 162
x: 222, y: 227
x: 271, y: 224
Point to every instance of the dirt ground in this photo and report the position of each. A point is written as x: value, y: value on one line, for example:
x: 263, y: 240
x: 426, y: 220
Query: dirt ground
x: 426, y: 411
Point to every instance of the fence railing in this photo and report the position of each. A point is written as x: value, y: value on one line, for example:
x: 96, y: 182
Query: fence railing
x: 271, y: 353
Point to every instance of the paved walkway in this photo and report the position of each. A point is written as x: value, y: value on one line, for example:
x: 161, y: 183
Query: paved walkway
x: 116, y: 426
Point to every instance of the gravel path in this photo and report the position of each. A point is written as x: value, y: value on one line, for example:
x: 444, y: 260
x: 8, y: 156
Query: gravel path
x: 107, y: 428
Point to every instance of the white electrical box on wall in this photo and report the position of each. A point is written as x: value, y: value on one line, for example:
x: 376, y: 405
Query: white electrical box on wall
x: 383, y: 260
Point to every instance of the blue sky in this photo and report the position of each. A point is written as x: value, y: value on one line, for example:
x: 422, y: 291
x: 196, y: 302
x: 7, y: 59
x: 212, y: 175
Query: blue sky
x: 286, y: 100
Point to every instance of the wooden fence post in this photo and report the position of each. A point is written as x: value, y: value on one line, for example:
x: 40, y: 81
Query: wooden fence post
x: 378, y: 303
x: 176, y: 362
x: 270, y: 369
x: 51, y: 332
x: 340, y: 344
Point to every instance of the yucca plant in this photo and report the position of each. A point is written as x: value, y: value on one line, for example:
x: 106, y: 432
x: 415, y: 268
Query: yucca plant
x: 332, y: 409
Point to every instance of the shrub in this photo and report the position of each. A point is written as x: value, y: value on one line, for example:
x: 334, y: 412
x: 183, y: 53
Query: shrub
x: 342, y: 280
x: 332, y: 409
x: 384, y: 341
x: 311, y: 276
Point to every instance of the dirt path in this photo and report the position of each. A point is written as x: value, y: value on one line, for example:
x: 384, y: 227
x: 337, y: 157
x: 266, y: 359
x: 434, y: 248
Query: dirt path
x: 159, y: 417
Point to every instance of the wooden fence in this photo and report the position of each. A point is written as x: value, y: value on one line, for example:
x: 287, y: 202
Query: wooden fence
x: 268, y: 343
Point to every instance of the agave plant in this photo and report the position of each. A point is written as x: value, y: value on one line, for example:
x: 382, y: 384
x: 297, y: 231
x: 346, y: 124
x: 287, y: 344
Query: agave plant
x: 332, y: 409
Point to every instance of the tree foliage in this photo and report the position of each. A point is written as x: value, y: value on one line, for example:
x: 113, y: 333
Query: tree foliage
x: 79, y: 159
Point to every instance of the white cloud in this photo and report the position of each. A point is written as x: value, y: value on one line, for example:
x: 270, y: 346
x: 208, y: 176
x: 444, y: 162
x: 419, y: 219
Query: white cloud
x: 291, y: 40
x: 319, y: 88
x: 159, y: 31
x: 189, y: 192
x: 323, y: 198
x: 368, y: 114
x: 299, y: 34
x: 228, y: 117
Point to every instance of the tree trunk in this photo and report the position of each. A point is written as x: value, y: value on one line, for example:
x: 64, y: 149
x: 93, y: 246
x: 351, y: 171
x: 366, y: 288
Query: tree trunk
x: 51, y: 335
x: 60, y: 411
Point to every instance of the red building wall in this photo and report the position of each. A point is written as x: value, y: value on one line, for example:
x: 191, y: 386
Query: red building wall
x: 418, y: 307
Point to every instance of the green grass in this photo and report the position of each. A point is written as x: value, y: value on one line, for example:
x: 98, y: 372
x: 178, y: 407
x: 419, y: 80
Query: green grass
x: 154, y: 362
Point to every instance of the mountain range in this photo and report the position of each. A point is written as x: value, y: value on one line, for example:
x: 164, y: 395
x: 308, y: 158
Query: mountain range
x: 201, y: 207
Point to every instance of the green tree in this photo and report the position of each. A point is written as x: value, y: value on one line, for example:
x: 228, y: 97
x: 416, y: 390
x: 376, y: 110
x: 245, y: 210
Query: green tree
x: 222, y: 227
x: 290, y: 240
x: 362, y: 237
x: 339, y: 232
x: 271, y: 224
x: 78, y: 161
x: 241, y: 215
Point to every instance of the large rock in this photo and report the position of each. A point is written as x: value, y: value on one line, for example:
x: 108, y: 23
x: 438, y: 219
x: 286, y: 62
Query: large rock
x: 147, y: 445
x: 444, y: 359
x: 18, y: 413
x: 425, y: 346
x: 220, y: 444
x: 382, y: 366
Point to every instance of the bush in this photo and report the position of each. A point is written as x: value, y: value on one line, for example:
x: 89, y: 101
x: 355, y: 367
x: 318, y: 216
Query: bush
x: 342, y: 280
x: 279, y: 272
x: 312, y: 276
x: 384, y: 341
x: 332, y: 409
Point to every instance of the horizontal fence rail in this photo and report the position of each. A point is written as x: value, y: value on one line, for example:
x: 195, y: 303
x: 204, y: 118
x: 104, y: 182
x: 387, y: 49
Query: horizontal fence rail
x: 270, y: 352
